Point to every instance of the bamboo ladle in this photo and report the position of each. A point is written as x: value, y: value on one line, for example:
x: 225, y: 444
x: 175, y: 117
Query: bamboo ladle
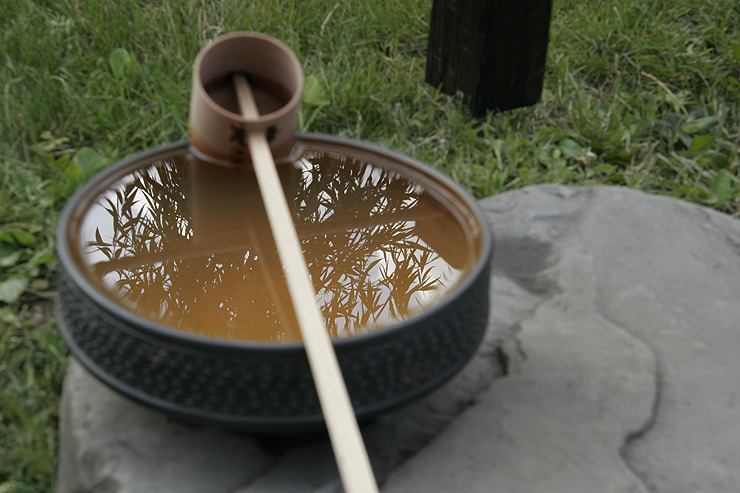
x: 344, y: 432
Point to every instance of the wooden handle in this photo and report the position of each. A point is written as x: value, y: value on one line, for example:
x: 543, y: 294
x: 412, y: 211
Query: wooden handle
x: 344, y: 432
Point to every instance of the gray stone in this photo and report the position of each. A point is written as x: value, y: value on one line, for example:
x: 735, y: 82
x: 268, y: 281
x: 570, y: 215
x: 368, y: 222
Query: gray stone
x: 610, y: 365
x: 624, y: 376
x: 109, y: 444
x: 687, y: 310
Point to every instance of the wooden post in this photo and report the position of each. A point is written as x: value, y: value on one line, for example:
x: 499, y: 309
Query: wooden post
x: 492, y: 51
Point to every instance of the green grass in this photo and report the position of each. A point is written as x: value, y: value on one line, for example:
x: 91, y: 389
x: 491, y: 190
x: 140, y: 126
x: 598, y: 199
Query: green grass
x: 32, y: 364
x: 638, y: 94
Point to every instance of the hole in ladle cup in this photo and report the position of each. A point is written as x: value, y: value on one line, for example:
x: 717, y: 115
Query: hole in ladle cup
x: 271, y: 132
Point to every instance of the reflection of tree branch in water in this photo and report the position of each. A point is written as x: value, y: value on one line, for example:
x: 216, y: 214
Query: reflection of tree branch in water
x: 149, y: 217
x: 343, y: 265
x: 148, y: 227
x: 357, y: 225
x: 184, y: 250
x: 375, y: 285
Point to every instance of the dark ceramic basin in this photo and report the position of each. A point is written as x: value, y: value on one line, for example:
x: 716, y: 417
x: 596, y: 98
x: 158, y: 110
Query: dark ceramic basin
x: 139, y: 318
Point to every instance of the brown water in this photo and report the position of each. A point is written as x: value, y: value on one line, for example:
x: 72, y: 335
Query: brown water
x: 188, y: 244
x: 268, y: 96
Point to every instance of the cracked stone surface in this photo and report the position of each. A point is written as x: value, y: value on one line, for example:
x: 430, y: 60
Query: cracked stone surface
x: 610, y: 365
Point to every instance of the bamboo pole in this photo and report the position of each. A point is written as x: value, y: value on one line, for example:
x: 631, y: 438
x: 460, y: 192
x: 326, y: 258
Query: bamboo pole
x: 341, y: 422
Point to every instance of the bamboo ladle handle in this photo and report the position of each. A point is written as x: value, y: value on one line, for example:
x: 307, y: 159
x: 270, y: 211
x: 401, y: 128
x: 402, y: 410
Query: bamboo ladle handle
x: 341, y: 422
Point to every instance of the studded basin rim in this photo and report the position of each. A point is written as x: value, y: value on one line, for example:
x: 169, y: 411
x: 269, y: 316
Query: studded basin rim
x: 244, y: 386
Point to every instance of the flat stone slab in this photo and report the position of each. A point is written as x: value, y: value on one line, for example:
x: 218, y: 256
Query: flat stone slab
x: 610, y: 365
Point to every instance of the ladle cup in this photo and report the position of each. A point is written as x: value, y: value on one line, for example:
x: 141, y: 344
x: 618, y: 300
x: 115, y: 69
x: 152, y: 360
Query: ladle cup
x: 218, y: 130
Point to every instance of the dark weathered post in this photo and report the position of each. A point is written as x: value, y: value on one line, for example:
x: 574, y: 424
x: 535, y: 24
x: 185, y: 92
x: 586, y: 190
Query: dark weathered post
x: 492, y: 51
